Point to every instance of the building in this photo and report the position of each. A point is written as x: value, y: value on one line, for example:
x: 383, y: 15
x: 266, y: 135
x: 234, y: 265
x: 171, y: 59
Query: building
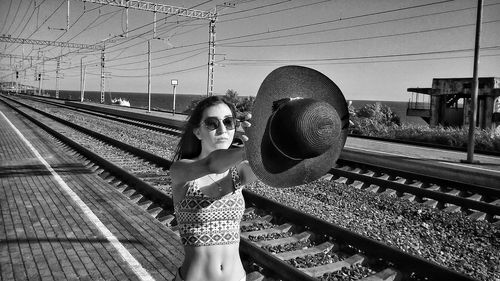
x: 447, y: 103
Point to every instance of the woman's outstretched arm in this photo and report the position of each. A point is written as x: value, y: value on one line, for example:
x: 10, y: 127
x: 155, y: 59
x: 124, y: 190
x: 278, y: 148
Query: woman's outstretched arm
x: 216, y: 162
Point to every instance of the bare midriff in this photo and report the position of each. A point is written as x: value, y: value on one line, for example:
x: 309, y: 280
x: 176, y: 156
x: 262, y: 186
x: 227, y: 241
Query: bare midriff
x: 212, y: 263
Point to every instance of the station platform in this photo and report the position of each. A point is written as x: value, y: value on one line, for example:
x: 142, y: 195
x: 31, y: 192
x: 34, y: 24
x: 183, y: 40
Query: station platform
x: 61, y: 221
x: 160, y: 117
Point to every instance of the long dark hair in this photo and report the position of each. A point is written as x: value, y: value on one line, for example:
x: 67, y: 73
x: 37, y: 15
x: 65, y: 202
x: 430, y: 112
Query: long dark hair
x: 189, y: 145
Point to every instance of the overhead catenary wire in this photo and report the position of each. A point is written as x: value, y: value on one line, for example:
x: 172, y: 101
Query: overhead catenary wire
x: 35, y: 8
x: 356, y: 39
x: 25, y: 14
x: 6, y: 16
x: 90, y: 52
x: 220, y: 40
x: 347, y: 27
x: 313, y: 24
x: 350, y: 62
x: 379, y: 12
x: 268, y: 13
x: 14, y: 18
x: 360, y: 57
x: 50, y: 16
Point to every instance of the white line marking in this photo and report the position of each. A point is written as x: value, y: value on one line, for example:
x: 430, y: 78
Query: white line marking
x: 442, y: 162
x: 125, y: 254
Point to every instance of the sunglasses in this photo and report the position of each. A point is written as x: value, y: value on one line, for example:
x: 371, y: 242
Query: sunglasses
x: 213, y: 123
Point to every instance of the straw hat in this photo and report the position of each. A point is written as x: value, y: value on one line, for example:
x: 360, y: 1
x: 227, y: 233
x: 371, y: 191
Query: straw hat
x: 299, y: 127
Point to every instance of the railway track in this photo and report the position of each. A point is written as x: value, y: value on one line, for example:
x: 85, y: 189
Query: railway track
x: 158, y: 127
x: 175, y: 126
x: 478, y: 202
x: 267, y: 227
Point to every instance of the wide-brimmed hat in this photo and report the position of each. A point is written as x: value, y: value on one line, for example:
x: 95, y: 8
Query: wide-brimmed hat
x: 299, y: 127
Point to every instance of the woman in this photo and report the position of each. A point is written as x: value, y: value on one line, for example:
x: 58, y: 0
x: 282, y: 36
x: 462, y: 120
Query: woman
x: 207, y: 177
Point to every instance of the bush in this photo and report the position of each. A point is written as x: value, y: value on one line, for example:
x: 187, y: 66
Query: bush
x: 376, y: 120
x: 243, y: 105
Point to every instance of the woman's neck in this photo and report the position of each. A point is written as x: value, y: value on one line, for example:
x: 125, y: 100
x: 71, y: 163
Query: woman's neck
x: 204, y: 153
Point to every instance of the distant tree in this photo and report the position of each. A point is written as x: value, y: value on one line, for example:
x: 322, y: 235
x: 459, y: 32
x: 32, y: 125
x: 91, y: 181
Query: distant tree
x: 243, y: 105
x: 193, y: 104
x: 246, y: 104
x: 232, y: 96
x: 380, y: 113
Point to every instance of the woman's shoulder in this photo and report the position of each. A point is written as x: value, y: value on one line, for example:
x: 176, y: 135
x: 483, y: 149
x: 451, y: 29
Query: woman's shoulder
x: 178, y: 168
x: 245, y: 172
x: 182, y: 161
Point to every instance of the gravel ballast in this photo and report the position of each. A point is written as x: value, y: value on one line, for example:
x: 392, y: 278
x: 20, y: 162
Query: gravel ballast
x: 450, y: 239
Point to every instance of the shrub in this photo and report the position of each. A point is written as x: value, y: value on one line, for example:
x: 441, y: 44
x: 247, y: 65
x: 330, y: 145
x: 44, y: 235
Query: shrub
x: 378, y: 120
x: 243, y: 105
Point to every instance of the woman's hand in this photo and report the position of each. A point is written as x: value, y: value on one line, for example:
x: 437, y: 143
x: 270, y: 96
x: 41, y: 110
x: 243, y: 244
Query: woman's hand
x: 239, y: 137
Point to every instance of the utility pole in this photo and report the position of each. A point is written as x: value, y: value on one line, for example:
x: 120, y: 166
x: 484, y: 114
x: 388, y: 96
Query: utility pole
x: 17, y: 81
x: 211, y: 57
x: 102, y: 75
x: 58, y: 66
x: 126, y: 18
x: 67, y: 19
x: 475, y: 89
x: 82, y: 79
x: 154, y: 24
x: 149, y: 75
x: 178, y: 11
x: 174, y: 83
x: 41, y: 76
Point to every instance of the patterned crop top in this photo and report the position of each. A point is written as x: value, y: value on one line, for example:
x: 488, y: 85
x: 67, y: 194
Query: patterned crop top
x: 205, y: 221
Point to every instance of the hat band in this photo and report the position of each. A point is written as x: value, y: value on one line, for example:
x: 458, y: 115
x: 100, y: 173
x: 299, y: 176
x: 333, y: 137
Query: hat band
x: 271, y: 136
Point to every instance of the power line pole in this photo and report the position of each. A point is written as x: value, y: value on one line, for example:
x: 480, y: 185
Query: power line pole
x: 102, y: 75
x: 179, y: 11
x: 149, y: 75
x: 41, y: 76
x: 475, y: 89
x: 58, y: 66
x: 211, y: 57
x: 67, y: 19
x: 82, y: 79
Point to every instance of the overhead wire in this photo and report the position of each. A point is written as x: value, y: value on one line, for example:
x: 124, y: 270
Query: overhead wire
x: 35, y: 8
x: 25, y: 14
x: 340, y: 19
x: 133, y: 29
x: 161, y: 65
x: 15, y: 17
x: 367, y: 62
x: 6, y: 16
x: 347, y: 27
x: 62, y: 2
x: 323, y: 22
x: 497, y: 47
x: 268, y: 13
x: 357, y: 39
x: 299, y: 27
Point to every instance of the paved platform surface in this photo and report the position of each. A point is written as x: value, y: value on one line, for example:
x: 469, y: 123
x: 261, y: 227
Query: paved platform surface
x: 431, y: 161
x: 60, y: 221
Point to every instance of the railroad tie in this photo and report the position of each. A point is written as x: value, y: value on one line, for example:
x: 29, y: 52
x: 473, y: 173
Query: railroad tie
x: 324, y: 247
x: 318, y: 271
x: 388, y: 274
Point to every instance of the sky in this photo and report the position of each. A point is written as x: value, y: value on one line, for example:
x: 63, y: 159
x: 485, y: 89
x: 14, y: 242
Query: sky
x: 372, y: 49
